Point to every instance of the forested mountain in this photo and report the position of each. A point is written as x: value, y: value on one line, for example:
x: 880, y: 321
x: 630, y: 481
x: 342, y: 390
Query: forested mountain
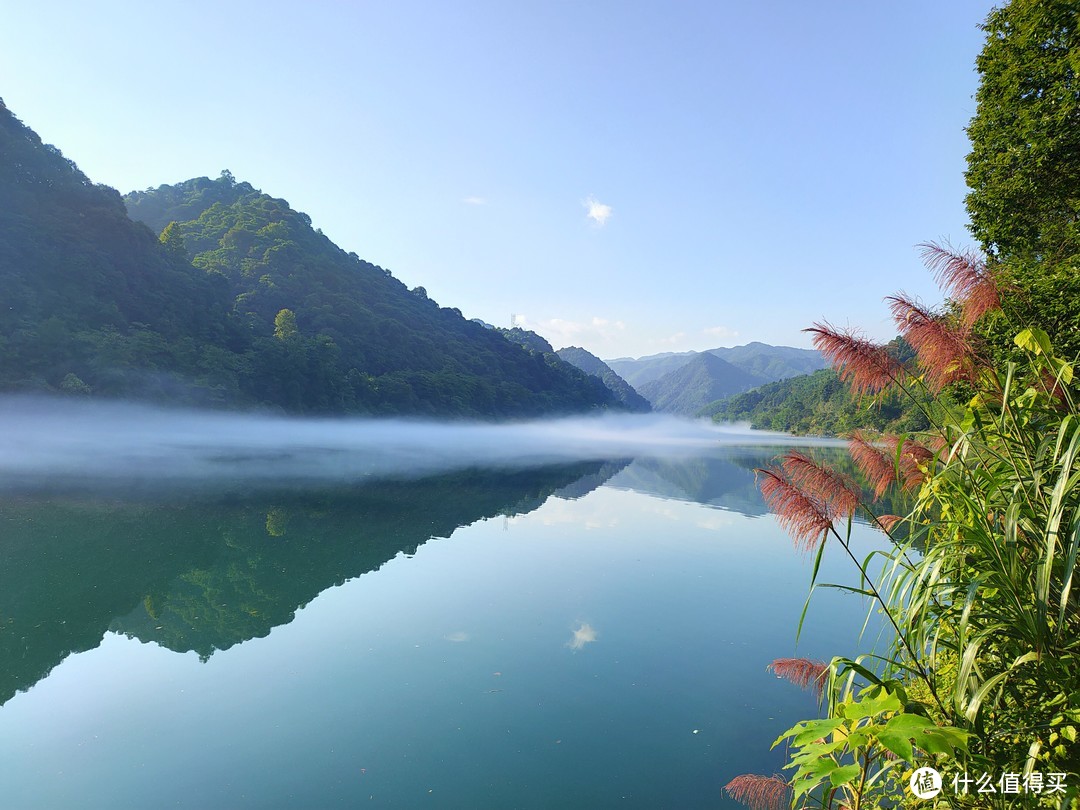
x: 239, y: 302
x: 595, y: 367
x: 820, y: 404
x: 691, y: 387
x: 92, y: 298
x: 771, y: 363
x: 643, y: 370
x: 764, y: 362
x: 817, y: 404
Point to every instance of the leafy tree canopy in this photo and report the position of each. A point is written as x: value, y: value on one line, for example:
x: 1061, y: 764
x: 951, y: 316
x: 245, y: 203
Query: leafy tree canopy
x: 1024, y: 166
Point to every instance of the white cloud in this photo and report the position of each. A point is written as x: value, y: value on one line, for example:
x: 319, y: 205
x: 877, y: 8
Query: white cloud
x: 597, y: 333
x: 673, y: 340
x: 722, y: 332
x: 598, y: 212
x: 474, y: 200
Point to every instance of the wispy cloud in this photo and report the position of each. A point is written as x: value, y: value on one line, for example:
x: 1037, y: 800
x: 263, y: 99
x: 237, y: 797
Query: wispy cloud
x: 597, y: 211
x: 599, y: 333
x: 672, y: 340
x: 722, y: 332
x: 474, y: 200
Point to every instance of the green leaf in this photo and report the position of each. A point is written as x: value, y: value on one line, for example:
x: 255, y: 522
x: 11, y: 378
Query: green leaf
x: 908, y: 724
x: 841, y: 776
x: 1033, y: 340
x: 873, y: 705
x: 899, y: 744
x: 809, y: 731
x: 942, y: 740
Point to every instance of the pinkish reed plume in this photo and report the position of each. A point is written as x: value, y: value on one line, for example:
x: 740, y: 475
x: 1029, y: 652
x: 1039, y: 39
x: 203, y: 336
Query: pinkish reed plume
x: 889, y: 522
x: 866, y: 366
x: 800, y: 514
x: 889, y: 460
x: 945, y: 354
x: 873, y: 462
x: 910, y: 457
x: 964, y: 277
x: 834, y: 490
x: 760, y: 792
x: 804, y: 673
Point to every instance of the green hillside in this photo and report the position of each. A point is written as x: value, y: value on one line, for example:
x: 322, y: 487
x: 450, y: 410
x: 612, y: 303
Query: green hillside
x: 239, y: 302
x: 772, y: 363
x: 817, y: 404
x: 374, y: 341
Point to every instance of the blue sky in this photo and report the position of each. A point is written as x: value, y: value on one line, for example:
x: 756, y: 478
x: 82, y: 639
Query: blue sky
x: 629, y: 177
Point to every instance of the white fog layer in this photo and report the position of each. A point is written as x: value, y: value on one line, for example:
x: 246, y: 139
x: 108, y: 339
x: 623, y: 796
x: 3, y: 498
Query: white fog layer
x: 54, y: 439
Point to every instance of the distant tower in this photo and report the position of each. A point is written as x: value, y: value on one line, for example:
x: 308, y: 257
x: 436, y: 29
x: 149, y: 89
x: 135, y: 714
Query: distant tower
x: 513, y: 319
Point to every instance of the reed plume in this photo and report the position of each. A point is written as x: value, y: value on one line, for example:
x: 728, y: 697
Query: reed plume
x: 911, y: 459
x: 889, y: 522
x: 799, y: 513
x: 804, y: 673
x: 945, y: 352
x: 873, y: 463
x: 833, y: 490
x: 866, y: 366
x: 760, y: 792
x: 964, y: 277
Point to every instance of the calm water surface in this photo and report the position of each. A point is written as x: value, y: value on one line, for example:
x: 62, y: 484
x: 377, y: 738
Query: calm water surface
x: 579, y: 635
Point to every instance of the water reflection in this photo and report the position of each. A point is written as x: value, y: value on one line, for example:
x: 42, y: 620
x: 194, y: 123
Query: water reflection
x: 600, y: 647
x: 202, y: 574
x: 205, y: 574
x: 585, y: 634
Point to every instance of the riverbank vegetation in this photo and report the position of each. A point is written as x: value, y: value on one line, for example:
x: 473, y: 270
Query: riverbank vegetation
x: 975, y: 701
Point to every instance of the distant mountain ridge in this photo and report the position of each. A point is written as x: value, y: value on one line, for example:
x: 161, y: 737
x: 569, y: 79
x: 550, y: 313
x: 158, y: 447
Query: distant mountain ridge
x: 692, y: 386
x: 683, y: 382
x: 765, y: 362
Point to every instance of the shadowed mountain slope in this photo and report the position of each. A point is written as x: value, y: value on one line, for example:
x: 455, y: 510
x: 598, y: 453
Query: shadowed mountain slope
x: 595, y: 367
x: 688, y: 389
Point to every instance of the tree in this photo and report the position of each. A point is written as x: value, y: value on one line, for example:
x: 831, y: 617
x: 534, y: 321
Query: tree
x: 285, y: 325
x: 1024, y: 166
x: 173, y: 241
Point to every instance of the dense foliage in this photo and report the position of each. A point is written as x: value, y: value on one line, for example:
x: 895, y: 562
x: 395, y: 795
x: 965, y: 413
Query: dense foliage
x: 1024, y: 166
x: 91, y: 298
x: 818, y: 404
x: 238, y: 301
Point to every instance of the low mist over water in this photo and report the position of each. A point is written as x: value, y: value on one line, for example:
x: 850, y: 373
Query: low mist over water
x: 55, y: 440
